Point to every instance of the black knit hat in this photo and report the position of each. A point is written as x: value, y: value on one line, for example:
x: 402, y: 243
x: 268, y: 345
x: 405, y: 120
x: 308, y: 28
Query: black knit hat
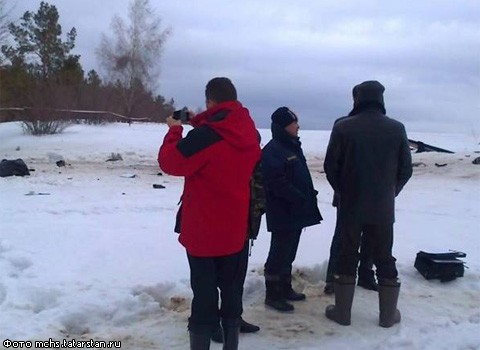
x: 283, y: 117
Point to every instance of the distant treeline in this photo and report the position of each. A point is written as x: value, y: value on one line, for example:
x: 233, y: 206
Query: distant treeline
x: 41, y: 81
x: 58, y: 97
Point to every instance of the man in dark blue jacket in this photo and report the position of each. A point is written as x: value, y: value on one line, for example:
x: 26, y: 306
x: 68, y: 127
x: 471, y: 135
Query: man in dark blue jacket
x: 367, y: 163
x: 291, y: 206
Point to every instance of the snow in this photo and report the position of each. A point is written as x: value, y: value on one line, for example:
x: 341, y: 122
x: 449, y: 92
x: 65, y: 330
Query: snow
x: 87, y: 251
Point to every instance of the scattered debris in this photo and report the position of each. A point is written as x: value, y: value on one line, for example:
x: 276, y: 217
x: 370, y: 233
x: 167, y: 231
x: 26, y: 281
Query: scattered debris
x: 440, y: 165
x: 55, y: 157
x: 160, y: 174
x: 158, y: 186
x: 60, y: 163
x: 33, y: 193
x: 114, y: 157
x: 18, y: 148
x: 423, y: 147
x: 15, y: 167
x: 417, y: 164
x: 476, y: 161
x: 130, y: 176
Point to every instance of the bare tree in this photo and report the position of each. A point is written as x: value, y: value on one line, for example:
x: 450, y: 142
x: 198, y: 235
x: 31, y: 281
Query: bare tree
x: 130, y: 57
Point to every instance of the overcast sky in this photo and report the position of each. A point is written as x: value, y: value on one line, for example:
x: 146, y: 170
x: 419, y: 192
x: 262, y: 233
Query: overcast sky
x: 308, y: 55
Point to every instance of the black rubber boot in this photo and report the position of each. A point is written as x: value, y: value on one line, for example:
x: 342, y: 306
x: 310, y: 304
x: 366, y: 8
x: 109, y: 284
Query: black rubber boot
x: 344, y: 291
x: 217, y: 335
x: 231, y: 330
x: 329, y: 288
x: 199, y: 342
x: 288, y: 292
x: 274, y: 295
x: 246, y: 327
x: 388, y: 291
x: 366, y: 279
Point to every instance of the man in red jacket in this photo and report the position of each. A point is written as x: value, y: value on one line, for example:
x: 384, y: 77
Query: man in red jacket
x: 217, y: 159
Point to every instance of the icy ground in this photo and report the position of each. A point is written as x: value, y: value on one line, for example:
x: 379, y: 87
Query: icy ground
x: 87, y: 251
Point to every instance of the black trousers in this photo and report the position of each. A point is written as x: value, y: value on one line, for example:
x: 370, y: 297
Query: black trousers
x: 208, y: 277
x: 380, y: 238
x: 283, y: 250
x: 366, y: 255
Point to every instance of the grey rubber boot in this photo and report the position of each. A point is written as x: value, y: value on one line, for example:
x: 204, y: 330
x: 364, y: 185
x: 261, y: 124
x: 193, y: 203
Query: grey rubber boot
x: 344, y: 291
x: 199, y: 342
x: 231, y: 331
x: 388, y: 291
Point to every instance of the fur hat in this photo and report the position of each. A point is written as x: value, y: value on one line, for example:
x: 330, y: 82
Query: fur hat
x: 283, y: 117
x: 368, y: 92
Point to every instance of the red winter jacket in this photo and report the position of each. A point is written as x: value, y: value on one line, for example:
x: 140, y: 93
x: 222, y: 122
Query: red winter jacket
x: 217, y: 167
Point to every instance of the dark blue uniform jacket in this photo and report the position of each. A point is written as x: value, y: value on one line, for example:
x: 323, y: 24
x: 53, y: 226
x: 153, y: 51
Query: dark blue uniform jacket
x: 291, y: 198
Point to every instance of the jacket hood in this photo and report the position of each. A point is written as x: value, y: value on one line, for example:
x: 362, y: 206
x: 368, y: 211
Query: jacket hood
x: 232, y: 121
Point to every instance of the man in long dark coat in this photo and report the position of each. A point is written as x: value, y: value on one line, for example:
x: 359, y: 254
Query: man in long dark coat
x: 368, y: 162
x: 366, y: 275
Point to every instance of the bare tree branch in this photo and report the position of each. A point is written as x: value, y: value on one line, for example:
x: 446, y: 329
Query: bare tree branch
x: 130, y: 57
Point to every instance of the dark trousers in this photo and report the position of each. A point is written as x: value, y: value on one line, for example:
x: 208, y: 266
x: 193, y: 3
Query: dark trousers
x: 208, y: 276
x: 366, y: 256
x: 380, y: 238
x: 283, y: 250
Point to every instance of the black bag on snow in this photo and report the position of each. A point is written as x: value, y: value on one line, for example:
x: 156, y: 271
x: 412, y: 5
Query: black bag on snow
x: 443, y: 266
x: 13, y: 168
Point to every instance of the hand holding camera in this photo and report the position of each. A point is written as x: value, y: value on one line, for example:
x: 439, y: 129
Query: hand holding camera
x: 179, y: 117
x: 183, y: 115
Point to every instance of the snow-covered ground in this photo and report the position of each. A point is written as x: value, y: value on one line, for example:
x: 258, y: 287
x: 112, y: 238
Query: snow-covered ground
x: 87, y: 251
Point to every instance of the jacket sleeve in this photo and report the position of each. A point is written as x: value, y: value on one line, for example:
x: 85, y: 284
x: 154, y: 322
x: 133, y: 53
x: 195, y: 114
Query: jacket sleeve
x: 332, y: 164
x: 276, y: 180
x: 404, y: 163
x: 171, y: 159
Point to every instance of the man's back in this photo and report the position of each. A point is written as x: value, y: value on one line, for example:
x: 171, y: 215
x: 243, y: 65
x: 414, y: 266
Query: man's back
x: 215, y: 200
x: 375, y: 160
x: 368, y: 162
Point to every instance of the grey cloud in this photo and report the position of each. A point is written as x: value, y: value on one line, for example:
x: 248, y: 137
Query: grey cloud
x: 309, y: 54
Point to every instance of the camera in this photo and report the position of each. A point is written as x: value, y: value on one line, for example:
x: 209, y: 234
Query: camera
x: 182, y: 115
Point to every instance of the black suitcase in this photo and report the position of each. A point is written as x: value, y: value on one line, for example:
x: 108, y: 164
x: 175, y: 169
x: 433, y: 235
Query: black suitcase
x: 443, y: 266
